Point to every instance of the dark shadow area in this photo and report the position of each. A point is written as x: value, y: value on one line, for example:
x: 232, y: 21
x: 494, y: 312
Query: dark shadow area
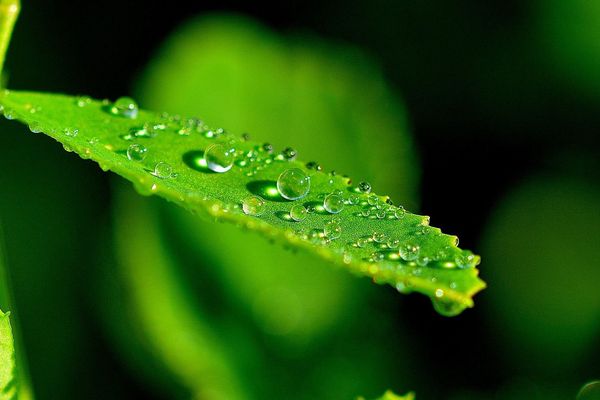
x: 265, y: 189
x: 195, y: 160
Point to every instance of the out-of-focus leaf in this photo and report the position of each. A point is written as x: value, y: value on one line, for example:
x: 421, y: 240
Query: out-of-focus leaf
x: 542, y: 244
x: 150, y: 301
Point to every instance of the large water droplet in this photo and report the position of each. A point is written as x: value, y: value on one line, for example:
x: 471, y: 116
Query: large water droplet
x: 293, y: 184
x: 125, y: 107
x: 219, y: 158
x: 298, y: 212
x: 136, y: 152
x: 446, y: 307
x: 333, y: 203
x: 253, y: 205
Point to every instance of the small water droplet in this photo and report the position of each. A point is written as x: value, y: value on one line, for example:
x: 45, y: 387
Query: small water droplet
x: 353, y: 199
x: 71, y: 132
x: 314, y: 165
x: 333, y: 203
x: 399, y: 212
x: 393, y: 243
x: 125, y: 107
x: 219, y: 158
x: 378, y: 237
x: 364, y: 187
x: 293, y: 184
x: 362, y: 242
x: 439, y: 293
x: 253, y: 205
x: 83, y: 101
x: 373, y: 200
x: 35, y: 127
x: 409, y: 252
x: 332, y: 230
x: 365, y: 212
x: 381, y: 214
x: 163, y: 170
x: 298, y: 212
x: 136, y: 152
x: 289, y: 154
x: 423, y: 261
x: 466, y: 259
x: 9, y: 113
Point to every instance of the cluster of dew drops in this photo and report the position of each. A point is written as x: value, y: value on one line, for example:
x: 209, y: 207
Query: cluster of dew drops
x: 293, y: 184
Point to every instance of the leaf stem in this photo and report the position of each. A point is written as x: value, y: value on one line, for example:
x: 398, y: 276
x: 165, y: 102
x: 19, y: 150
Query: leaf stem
x: 9, y: 11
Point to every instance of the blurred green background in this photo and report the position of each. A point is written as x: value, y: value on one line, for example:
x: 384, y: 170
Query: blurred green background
x: 484, y: 115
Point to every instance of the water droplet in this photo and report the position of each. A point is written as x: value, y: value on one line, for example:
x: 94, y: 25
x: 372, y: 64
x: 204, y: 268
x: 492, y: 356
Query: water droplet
x: 378, y: 237
x: 35, y: 127
x: 71, y: 132
x: 353, y: 199
x: 9, y: 113
x: 289, y: 154
x: 136, y: 152
x: 393, y: 243
x: 267, y: 147
x: 332, y: 230
x: 333, y: 203
x: 362, y: 242
x: 381, y: 214
x: 219, y: 158
x: 314, y: 165
x: 293, y: 184
x: 365, y: 212
x: 447, y: 308
x: 83, y: 101
x: 253, y: 205
x: 298, y: 212
x: 125, y: 107
x: 439, y: 293
x: 364, y: 187
x: 466, y: 259
x: 423, y: 261
x: 403, y: 287
x: 399, y: 212
x: 409, y: 252
x: 163, y: 170
x: 373, y: 200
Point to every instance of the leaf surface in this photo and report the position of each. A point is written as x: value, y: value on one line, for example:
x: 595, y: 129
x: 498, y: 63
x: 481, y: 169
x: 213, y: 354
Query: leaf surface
x: 174, y: 167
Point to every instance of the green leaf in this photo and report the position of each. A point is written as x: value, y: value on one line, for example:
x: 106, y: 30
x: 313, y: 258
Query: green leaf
x: 389, y: 395
x: 431, y: 264
x: 173, y: 330
x: 8, y: 380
